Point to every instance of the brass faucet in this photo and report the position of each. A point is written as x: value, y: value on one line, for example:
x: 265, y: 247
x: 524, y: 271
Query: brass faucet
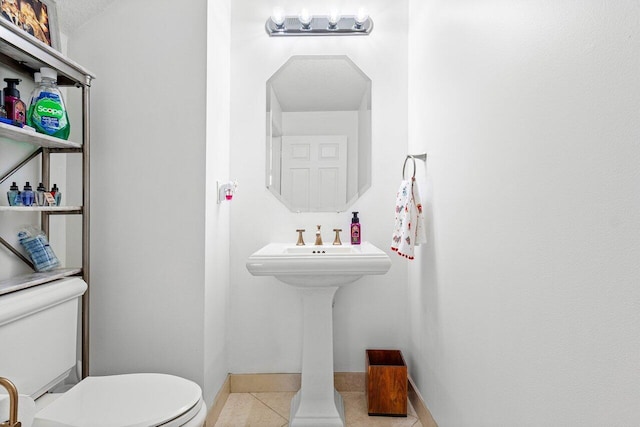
x: 300, y: 241
x: 13, y: 404
x: 318, y: 237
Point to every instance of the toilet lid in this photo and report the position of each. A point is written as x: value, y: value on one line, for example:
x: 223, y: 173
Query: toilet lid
x: 132, y: 400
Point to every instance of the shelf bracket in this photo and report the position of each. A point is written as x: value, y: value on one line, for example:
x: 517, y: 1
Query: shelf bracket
x: 65, y: 150
x: 20, y: 165
x: 16, y: 253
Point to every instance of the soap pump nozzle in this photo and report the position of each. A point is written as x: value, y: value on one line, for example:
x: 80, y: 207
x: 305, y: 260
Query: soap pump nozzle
x: 12, y: 89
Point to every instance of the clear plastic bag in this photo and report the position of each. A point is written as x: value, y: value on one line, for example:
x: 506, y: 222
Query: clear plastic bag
x: 34, y: 241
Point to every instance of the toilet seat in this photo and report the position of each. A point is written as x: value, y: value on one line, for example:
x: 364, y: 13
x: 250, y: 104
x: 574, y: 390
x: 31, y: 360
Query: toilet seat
x: 131, y: 400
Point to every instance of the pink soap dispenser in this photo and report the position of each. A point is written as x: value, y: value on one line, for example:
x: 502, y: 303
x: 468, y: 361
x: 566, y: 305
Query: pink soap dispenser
x: 16, y: 109
x: 355, y: 229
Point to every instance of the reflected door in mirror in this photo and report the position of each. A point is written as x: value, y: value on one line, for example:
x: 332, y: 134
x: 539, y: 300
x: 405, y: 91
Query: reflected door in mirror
x: 314, y: 170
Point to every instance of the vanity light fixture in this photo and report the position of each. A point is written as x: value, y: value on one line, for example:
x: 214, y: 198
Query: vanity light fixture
x: 361, y: 18
x: 278, y: 17
x: 333, y: 19
x: 305, y: 19
x: 306, y: 24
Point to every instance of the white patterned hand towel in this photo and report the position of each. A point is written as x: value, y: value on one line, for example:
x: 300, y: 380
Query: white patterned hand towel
x: 409, y: 227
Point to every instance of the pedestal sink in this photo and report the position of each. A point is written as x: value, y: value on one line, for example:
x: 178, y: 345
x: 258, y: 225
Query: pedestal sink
x: 318, y: 272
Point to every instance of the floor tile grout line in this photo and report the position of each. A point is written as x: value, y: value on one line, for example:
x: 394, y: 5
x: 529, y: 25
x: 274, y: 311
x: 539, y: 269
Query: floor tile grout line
x: 263, y: 404
x: 270, y: 408
x: 286, y: 418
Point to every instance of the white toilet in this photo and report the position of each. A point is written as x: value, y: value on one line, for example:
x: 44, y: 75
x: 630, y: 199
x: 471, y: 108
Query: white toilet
x: 38, y: 335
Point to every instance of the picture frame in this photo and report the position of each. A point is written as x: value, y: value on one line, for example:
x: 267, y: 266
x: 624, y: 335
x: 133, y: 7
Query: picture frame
x: 37, y: 18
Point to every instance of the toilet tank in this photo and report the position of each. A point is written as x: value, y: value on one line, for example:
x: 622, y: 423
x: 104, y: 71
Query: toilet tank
x: 38, y: 334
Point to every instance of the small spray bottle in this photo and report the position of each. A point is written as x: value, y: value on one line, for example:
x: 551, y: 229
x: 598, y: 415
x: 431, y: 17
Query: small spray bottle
x: 13, y: 195
x: 57, y: 195
x: 355, y: 229
x: 27, y: 195
x: 40, y: 195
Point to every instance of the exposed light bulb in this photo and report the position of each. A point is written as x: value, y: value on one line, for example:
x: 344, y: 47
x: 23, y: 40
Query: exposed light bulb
x: 278, y: 17
x: 305, y: 18
x: 333, y: 23
x: 334, y: 18
x: 361, y: 17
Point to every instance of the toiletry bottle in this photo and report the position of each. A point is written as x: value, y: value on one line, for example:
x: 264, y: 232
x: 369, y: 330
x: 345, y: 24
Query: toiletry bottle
x: 57, y: 195
x: 27, y: 195
x: 355, y: 229
x: 13, y: 195
x: 16, y: 110
x: 47, y: 112
x: 40, y: 195
x: 37, y: 79
x: 3, y: 111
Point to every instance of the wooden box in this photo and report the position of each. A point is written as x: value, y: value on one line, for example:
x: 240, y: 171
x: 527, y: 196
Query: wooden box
x: 386, y: 383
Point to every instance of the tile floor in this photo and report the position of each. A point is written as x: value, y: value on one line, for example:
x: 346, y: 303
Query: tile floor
x: 272, y: 410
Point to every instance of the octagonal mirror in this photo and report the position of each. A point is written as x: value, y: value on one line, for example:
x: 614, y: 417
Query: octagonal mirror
x: 318, y: 133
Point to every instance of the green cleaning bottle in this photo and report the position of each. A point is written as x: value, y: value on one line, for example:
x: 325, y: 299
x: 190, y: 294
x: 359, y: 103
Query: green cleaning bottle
x: 47, y: 113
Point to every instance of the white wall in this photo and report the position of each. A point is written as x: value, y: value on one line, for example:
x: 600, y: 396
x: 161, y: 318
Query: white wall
x: 150, y: 286
x: 265, y: 331
x: 216, y: 296
x: 525, y: 304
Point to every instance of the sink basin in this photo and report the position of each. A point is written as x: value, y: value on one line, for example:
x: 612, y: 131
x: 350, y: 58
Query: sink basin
x: 312, y: 266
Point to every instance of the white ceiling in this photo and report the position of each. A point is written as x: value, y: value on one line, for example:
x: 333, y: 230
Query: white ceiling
x: 72, y: 14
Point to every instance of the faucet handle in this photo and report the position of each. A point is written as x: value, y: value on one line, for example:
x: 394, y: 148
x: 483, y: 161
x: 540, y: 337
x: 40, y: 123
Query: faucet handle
x: 300, y: 241
x: 337, y: 241
x: 12, y: 391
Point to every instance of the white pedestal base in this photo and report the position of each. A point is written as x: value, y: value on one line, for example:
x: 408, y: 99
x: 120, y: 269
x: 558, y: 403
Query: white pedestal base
x: 328, y: 421
x: 317, y: 403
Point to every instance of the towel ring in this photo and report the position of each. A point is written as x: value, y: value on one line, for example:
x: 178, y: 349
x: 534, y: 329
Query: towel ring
x: 413, y: 158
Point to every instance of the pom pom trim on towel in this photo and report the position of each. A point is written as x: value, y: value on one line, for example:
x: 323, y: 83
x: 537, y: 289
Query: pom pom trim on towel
x: 401, y: 254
